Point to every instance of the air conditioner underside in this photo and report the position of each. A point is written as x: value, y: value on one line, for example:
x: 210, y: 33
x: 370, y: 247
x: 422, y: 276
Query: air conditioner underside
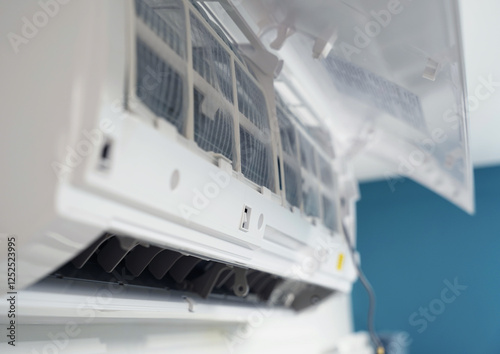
x: 129, y: 262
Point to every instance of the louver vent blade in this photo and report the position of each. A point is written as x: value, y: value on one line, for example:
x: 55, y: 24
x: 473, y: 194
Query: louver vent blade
x: 136, y: 263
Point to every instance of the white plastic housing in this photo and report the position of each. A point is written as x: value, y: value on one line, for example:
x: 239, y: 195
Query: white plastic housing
x: 64, y: 108
x: 387, y: 77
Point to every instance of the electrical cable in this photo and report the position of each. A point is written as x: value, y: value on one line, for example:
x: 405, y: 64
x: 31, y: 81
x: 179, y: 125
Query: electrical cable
x: 369, y: 289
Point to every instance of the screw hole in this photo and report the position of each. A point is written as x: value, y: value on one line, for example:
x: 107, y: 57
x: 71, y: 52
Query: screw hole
x: 261, y: 221
x: 174, y: 179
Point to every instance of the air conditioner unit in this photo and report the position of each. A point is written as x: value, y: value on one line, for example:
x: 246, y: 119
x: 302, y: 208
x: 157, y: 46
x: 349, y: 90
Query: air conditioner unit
x: 200, y: 150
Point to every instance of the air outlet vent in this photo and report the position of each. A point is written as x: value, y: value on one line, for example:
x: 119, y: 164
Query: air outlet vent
x: 152, y: 266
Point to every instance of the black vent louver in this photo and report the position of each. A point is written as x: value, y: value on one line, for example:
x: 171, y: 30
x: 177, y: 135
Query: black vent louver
x: 171, y: 269
x: 152, y: 266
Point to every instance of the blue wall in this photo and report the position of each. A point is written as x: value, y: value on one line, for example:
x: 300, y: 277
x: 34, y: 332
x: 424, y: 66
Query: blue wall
x: 411, y: 241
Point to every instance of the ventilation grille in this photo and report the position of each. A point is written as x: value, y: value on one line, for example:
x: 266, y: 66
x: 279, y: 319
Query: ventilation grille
x: 213, y: 133
x: 255, y: 135
x: 214, y: 129
x: 325, y: 172
x: 211, y: 60
x: 329, y: 213
x: 251, y: 101
x: 166, y: 18
x: 314, y: 183
x: 310, y: 194
x: 214, y: 101
x: 127, y: 261
x: 307, y: 156
x: 292, y: 183
x: 290, y: 158
x: 256, y: 159
x: 159, y: 86
x: 218, y: 30
x: 328, y: 190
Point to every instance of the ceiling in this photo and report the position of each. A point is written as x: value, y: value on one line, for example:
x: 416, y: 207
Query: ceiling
x: 480, y: 29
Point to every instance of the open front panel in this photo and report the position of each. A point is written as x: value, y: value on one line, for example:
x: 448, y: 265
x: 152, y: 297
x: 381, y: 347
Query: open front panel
x: 385, y: 76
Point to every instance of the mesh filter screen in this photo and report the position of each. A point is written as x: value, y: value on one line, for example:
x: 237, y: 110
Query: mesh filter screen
x: 256, y: 159
x: 310, y: 196
x: 211, y: 60
x: 329, y: 213
x: 159, y: 86
x: 291, y: 164
x: 325, y: 172
x: 255, y: 143
x: 166, y: 18
x: 251, y: 101
x: 213, y: 133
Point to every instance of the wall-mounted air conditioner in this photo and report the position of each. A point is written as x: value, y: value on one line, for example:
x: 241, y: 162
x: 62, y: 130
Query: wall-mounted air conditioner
x: 202, y: 148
